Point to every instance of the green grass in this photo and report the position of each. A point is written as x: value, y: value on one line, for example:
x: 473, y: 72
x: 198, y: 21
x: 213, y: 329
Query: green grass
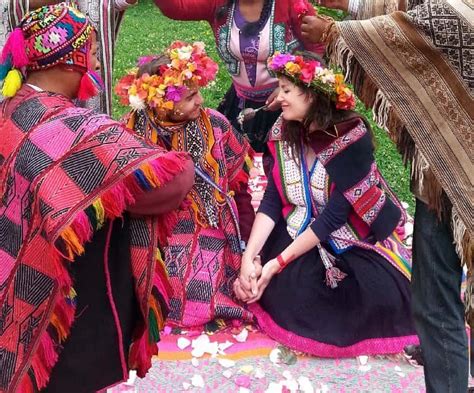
x: 146, y: 31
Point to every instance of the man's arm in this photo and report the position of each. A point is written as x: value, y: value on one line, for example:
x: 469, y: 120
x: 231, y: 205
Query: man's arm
x: 167, y: 198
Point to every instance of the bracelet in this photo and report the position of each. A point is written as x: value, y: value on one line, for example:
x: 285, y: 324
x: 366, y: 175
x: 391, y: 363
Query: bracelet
x: 281, y: 262
x: 328, y: 28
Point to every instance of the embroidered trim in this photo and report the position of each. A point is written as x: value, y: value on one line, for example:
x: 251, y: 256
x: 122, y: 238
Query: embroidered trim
x: 342, y: 143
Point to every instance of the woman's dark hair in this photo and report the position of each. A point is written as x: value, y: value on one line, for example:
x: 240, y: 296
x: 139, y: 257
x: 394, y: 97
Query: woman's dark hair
x: 251, y: 28
x: 153, y: 67
x: 322, y: 112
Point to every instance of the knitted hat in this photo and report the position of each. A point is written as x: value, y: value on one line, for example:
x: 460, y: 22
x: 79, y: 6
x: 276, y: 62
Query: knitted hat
x: 48, y: 36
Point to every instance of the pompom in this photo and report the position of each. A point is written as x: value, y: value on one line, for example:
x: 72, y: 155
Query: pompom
x: 91, y: 85
x: 5, y: 67
x: 15, y: 47
x: 12, y: 83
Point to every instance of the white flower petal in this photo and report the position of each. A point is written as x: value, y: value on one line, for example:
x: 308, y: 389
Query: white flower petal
x: 242, y: 336
x: 226, y: 363
x: 183, y: 343
x: 197, y: 381
x: 305, y: 385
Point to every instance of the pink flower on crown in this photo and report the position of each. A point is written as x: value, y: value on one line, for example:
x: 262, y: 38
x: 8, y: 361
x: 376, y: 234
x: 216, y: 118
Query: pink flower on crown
x: 279, y: 60
x: 175, y: 93
x: 307, y: 71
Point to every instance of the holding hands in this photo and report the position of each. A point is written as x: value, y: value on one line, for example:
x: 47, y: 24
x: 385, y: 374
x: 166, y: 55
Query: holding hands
x: 254, y: 278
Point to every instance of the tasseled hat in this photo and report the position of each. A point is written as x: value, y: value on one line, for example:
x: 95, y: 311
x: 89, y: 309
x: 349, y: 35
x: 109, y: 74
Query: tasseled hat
x: 46, y: 37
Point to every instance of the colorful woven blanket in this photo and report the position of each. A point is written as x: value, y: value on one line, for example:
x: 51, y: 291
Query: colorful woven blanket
x: 64, y: 171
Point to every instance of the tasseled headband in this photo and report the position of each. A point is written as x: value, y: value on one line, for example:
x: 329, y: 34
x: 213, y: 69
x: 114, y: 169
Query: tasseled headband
x: 48, y: 36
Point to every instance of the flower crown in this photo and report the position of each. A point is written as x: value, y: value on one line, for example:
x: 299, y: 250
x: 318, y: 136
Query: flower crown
x: 189, y: 67
x: 310, y: 73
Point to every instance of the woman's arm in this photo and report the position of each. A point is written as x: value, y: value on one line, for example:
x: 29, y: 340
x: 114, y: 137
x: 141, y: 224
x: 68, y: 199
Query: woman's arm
x: 333, y: 217
x: 188, y: 9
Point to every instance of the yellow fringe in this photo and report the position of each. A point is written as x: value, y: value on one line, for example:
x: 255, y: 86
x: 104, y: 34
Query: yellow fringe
x: 72, y: 293
x: 150, y: 175
x: 12, y: 83
x: 99, y: 213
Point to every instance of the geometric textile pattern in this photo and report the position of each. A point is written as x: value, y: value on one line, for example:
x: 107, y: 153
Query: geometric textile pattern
x: 450, y: 33
x: 32, y: 286
x: 28, y: 153
x: 85, y: 169
x: 202, y: 261
x: 11, y: 238
x: 7, y: 367
x: 59, y: 168
x: 27, y: 115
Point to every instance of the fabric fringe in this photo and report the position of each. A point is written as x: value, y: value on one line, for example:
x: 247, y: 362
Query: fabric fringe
x: 26, y: 385
x: 423, y: 178
x: 110, y: 205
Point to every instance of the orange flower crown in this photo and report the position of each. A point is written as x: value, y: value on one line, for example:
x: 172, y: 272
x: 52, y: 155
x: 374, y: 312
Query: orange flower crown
x: 189, y: 67
x: 310, y: 73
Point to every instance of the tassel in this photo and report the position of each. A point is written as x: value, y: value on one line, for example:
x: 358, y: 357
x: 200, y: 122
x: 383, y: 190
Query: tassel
x: 90, y: 86
x: 153, y: 332
x: 333, y: 274
x: 100, y: 213
x: 15, y: 47
x: 5, y: 67
x: 12, y: 83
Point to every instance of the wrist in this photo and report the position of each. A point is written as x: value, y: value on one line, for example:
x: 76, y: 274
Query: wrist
x: 275, y: 266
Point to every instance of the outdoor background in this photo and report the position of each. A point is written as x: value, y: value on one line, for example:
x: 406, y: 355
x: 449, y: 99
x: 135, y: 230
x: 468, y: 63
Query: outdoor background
x: 146, y: 31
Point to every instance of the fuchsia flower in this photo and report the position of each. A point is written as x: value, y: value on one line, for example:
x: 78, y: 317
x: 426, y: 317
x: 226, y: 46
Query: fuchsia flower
x: 175, y: 93
x: 307, y: 71
x: 279, y: 61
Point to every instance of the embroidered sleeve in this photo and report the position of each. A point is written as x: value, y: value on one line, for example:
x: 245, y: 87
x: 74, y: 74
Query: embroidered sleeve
x: 334, y: 215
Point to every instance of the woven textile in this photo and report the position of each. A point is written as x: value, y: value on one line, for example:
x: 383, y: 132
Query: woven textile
x: 56, y: 34
x: 204, y: 252
x: 415, y: 70
x: 64, y: 171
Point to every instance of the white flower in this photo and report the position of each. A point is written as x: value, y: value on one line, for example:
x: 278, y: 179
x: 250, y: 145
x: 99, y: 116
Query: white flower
x: 327, y: 76
x: 136, y: 103
x: 185, y: 52
x: 318, y: 71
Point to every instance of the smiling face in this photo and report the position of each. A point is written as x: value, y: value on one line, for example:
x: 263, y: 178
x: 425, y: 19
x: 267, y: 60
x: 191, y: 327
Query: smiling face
x: 294, y: 102
x: 188, y: 108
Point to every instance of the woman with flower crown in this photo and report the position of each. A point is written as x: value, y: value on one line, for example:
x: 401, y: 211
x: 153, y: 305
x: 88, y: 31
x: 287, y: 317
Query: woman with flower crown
x: 205, y: 247
x: 246, y: 33
x: 335, y: 276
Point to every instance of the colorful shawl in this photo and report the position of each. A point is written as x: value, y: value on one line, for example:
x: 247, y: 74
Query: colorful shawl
x: 204, y: 251
x: 415, y: 71
x: 347, y: 163
x: 65, y: 170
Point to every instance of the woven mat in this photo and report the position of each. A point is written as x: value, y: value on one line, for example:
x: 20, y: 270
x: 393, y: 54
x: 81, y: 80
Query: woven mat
x: 253, y: 366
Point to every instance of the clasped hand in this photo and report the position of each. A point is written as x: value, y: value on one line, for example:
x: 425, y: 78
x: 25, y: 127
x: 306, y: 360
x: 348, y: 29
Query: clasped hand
x: 254, y: 278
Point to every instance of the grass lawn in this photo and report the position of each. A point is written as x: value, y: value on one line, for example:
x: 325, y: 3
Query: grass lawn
x: 146, y: 31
